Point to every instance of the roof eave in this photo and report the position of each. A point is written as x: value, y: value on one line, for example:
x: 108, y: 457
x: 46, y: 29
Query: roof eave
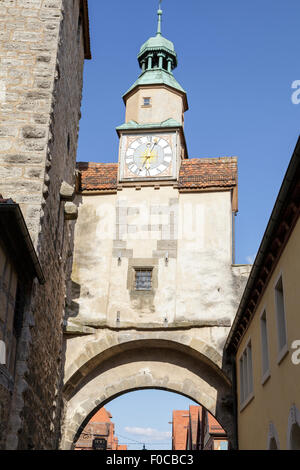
x: 132, y: 90
x: 14, y: 210
x: 158, y: 49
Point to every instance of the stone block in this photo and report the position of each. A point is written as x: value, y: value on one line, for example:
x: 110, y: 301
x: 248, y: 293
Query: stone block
x: 10, y: 172
x: 8, y: 131
x: 71, y: 211
x: 31, y: 132
x: 67, y: 192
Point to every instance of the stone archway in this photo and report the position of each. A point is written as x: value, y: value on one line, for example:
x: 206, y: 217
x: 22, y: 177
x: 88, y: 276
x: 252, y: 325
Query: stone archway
x: 161, y: 362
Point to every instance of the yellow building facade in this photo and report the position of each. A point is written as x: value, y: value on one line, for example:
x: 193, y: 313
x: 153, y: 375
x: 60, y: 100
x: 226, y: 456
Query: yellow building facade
x: 265, y: 337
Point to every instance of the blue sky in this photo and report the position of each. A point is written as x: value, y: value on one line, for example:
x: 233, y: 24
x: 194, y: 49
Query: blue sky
x: 145, y: 416
x: 237, y: 62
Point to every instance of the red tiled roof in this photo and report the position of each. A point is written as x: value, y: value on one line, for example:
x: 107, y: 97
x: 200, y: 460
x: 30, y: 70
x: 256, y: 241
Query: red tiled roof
x: 98, y: 176
x: 194, y: 174
x: 214, y: 426
x: 195, y: 413
x: 102, y: 416
x: 208, y: 173
x: 180, y: 429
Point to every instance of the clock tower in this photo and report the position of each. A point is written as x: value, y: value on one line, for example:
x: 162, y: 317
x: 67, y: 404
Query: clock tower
x: 152, y: 142
x: 153, y: 288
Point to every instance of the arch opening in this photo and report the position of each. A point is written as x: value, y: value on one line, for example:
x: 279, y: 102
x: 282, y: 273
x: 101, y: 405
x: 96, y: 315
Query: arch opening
x: 151, y: 419
x: 146, y: 365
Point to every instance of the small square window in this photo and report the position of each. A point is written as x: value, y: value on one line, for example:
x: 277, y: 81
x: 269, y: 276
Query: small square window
x: 143, y: 279
x: 147, y: 102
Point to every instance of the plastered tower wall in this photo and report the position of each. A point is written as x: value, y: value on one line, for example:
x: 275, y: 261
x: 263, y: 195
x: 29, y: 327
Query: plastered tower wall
x: 164, y: 103
x: 41, y: 53
x: 196, y: 285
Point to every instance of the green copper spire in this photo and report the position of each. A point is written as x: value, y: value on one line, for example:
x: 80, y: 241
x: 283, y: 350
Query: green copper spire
x: 159, y: 18
x: 157, y: 59
x: 158, y: 52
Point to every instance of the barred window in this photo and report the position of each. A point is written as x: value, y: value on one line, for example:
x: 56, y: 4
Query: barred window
x: 143, y: 279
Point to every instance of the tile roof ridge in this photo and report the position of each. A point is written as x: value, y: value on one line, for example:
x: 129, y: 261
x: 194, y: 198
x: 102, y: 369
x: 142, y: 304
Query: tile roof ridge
x: 95, y: 164
x: 210, y: 159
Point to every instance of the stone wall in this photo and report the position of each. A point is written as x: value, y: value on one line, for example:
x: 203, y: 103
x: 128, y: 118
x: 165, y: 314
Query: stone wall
x: 42, y: 54
x: 5, y: 402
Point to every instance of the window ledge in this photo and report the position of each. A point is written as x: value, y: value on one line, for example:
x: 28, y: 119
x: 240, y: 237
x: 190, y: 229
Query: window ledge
x: 265, y: 377
x: 142, y: 292
x: 281, y: 355
x: 246, y: 402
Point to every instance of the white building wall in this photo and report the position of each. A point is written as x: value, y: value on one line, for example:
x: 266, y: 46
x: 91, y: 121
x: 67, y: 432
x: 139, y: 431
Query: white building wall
x: 142, y: 227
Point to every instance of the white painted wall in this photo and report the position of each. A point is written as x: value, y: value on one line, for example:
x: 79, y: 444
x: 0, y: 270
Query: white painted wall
x: 196, y: 286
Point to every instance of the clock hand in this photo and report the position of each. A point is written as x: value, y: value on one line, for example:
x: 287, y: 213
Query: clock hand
x: 150, y: 150
x: 155, y: 143
x: 146, y: 158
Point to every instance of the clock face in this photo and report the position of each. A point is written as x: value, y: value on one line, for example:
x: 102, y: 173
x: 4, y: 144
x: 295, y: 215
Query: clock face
x: 148, y: 156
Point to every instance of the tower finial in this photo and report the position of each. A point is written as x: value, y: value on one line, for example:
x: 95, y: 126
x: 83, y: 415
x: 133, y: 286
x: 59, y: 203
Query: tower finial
x: 159, y: 18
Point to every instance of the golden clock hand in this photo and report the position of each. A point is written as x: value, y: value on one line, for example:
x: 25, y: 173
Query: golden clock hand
x: 146, y: 158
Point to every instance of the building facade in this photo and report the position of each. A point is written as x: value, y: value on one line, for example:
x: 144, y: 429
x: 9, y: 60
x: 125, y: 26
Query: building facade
x: 99, y: 434
x: 264, y: 340
x: 42, y: 49
x: 197, y: 429
x: 154, y: 288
